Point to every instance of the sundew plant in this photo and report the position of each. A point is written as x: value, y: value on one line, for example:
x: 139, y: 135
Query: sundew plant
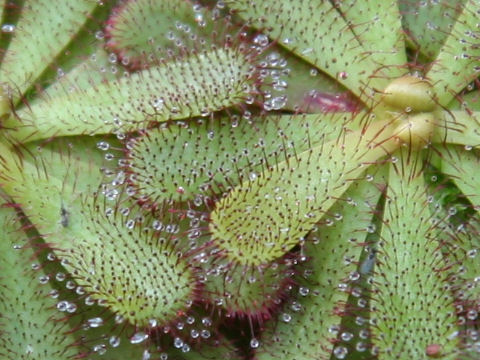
x: 241, y: 179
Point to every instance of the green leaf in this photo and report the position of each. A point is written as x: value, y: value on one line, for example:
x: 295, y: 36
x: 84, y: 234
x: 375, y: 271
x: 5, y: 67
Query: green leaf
x: 223, y: 350
x: 377, y: 26
x: 262, y: 218
x: 30, y: 325
x: 428, y: 23
x: 181, y: 160
x: 165, y: 24
x: 43, y: 30
x: 89, y: 73
x: 114, y: 255
x: 334, y: 253
x: 459, y: 127
x: 411, y: 309
x: 458, y: 62
x: 461, y: 166
x: 318, y: 33
x: 468, y: 102
x: 302, y: 81
x: 196, y: 85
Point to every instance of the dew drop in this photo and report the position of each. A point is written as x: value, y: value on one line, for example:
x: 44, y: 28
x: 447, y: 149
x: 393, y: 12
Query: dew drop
x: 177, y: 343
x: 62, y: 306
x: 371, y: 228
x: 95, y: 322
x: 340, y: 352
x: 261, y: 40
x: 286, y: 317
x: 8, y: 28
x: 71, y: 308
x: 254, y: 343
x: 303, y: 291
x: 103, y: 145
x: 114, y: 341
x: 346, y: 336
x: 100, y: 349
x: 138, y: 338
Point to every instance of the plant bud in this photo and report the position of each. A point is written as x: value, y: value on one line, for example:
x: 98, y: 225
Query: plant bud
x: 409, y: 92
x: 416, y: 130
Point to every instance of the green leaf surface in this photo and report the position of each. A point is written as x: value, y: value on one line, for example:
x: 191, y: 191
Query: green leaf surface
x: 165, y: 24
x: 220, y: 155
x: 377, y: 26
x: 2, y: 7
x: 261, y: 219
x: 89, y: 73
x: 29, y: 54
x: 192, y: 86
x: 459, y: 127
x: 108, y: 251
x: 30, y: 326
x: 411, y: 309
x: 468, y: 102
x: 334, y: 253
x: 300, y: 81
x: 224, y: 350
x: 318, y: 33
x: 428, y: 23
x: 462, y: 167
x: 462, y: 253
x: 458, y: 62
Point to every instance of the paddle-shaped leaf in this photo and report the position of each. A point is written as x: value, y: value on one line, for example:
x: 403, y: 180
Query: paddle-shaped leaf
x: 412, y: 311
x: 30, y: 325
x: 304, y: 329
x: 334, y: 49
x: 264, y: 217
x: 195, y: 85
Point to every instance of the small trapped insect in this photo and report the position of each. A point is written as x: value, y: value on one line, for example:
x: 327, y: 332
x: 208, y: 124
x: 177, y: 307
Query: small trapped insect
x: 64, y: 216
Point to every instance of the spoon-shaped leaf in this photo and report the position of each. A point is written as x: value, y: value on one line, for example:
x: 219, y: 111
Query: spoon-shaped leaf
x: 119, y: 259
x: 318, y: 33
x: 221, y: 154
x: 30, y: 326
x: 180, y: 88
x: 165, y: 24
x: 306, y: 334
x: 412, y: 310
x: 261, y: 219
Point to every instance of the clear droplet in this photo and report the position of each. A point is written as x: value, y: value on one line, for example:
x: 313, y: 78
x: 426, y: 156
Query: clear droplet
x: 95, y: 322
x: 138, y: 338
x: 254, y: 343
x: 8, y: 28
x: 114, y: 341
